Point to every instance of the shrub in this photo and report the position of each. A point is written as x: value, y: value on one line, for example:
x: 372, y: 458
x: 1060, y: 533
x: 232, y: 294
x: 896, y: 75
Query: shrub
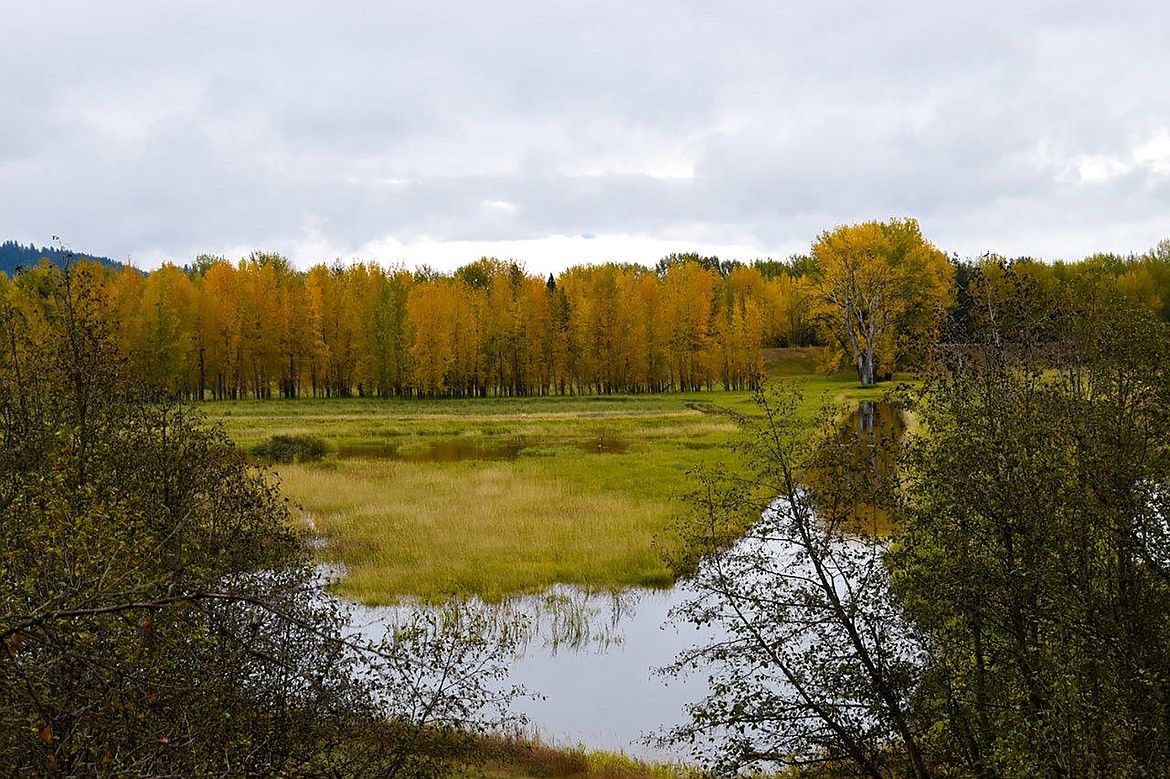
x: 290, y: 449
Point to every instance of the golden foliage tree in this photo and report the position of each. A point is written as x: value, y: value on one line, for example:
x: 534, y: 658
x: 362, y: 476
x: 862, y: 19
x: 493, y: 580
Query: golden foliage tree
x: 259, y: 327
x: 878, y: 289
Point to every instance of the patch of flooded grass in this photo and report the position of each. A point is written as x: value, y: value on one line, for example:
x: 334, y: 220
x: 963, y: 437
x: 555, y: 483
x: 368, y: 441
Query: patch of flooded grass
x: 485, y: 528
x: 486, y: 449
x: 448, y: 450
x: 499, y: 496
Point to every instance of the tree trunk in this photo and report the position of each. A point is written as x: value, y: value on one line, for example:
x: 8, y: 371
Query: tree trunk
x: 865, y: 367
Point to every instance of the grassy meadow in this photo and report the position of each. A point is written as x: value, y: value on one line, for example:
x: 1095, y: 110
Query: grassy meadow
x: 586, y: 499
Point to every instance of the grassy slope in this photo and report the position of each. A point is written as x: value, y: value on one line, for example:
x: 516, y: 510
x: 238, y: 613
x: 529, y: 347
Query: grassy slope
x: 555, y: 514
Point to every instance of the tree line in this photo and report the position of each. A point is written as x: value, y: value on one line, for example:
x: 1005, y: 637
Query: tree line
x: 872, y: 295
x: 259, y: 328
x: 15, y: 256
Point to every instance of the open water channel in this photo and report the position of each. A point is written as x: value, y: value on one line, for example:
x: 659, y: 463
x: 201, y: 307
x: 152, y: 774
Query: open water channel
x: 592, y: 657
x: 589, y: 660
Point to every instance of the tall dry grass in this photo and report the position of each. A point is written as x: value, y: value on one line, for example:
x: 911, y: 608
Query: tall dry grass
x: 488, y: 529
x: 555, y: 515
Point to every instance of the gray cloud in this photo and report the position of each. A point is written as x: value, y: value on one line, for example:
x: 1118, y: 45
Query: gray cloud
x: 158, y: 130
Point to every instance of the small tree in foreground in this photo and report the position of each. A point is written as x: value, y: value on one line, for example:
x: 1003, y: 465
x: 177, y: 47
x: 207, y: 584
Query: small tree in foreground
x: 158, y: 612
x: 1015, y: 618
x: 813, y: 661
x: 1034, y: 538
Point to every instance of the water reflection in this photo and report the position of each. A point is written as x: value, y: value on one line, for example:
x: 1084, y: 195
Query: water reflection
x: 589, y: 655
x: 871, y: 439
x: 563, y: 618
x: 874, y: 420
x: 592, y: 655
x: 852, y: 471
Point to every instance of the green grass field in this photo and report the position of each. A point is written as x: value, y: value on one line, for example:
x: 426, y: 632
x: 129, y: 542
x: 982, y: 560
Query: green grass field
x: 556, y: 513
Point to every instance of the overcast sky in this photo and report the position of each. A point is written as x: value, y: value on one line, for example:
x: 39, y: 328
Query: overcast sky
x: 558, y: 133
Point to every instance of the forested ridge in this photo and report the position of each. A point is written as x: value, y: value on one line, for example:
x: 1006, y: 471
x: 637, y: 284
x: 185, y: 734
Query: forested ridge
x: 14, y: 256
x: 260, y: 328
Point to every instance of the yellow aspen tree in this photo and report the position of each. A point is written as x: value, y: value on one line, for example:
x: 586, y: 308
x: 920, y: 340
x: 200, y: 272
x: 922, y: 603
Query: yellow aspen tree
x: 385, y: 360
x: 689, y: 294
x: 295, y: 339
x: 878, y: 288
x: 430, y: 317
x: 128, y: 294
x: 220, y: 306
x: 739, y: 328
x: 535, y: 312
x: 577, y: 284
x: 165, y: 341
x: 317, y: 292
x: 631, y: 346
x: 561, y: 344
x: 262, y: 277
x: 657, y: 329
x: 1141, y: 288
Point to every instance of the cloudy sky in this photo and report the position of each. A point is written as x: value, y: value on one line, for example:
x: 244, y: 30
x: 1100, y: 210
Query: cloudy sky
x: 558, y: 133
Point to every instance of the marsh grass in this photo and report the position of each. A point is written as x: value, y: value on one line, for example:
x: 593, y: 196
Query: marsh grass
x: 554, y: 514
x: 516, y: 756
x: 290, y: 449
x: 493, y: 528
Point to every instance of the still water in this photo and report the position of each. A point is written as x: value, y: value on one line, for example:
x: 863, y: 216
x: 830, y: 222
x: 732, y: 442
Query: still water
x: 592, y: 656
x: 591, y: 659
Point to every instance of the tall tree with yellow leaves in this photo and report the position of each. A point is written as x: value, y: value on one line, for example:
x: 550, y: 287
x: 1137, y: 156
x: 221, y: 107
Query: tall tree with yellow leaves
x: 878, y: 288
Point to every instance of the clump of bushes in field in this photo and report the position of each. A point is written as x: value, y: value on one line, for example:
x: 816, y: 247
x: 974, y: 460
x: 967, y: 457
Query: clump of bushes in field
x: 290, y: 449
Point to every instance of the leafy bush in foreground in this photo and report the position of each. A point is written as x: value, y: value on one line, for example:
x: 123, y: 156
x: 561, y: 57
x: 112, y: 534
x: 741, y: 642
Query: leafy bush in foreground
x: 159, y: 616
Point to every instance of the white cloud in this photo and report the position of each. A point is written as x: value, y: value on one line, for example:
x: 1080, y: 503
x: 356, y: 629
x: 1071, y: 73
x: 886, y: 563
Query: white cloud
x: 130, y: 116
x: 501, y: 206
x: 1154, y: 153
x: 1151, y: 155
x: 1099, y: 168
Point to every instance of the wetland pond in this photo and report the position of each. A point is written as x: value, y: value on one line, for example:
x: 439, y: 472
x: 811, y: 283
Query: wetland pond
x: 592, y: 656
x: 591, y: 659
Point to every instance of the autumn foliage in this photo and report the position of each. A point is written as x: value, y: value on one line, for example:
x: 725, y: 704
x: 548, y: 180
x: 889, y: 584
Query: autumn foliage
x: 259, y: 328
x: 873, y: 295
x: 880, y: 291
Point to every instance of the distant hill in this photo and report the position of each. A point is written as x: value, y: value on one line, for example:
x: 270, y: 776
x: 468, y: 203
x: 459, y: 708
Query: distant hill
x: 12, y: 254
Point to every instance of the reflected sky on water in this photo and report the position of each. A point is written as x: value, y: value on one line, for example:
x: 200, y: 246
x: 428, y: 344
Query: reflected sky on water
x: 592, y: 656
